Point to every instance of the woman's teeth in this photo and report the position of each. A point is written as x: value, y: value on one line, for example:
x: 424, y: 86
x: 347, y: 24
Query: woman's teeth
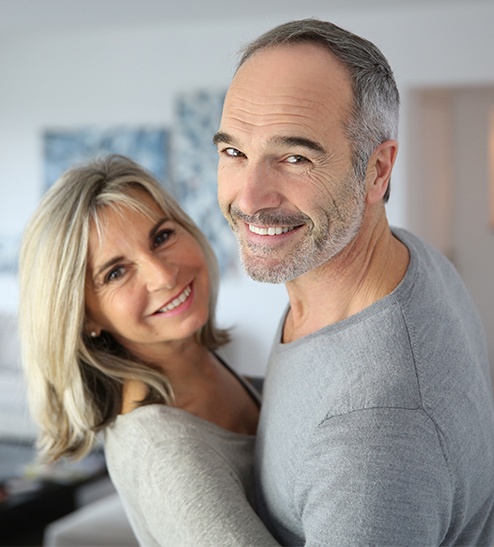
x: 181, y: 298
x: 271, y: 231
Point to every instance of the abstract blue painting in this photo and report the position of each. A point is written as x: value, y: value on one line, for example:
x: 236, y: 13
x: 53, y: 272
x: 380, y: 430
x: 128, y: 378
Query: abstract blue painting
x: 64, y: 148
x: 194, y: 161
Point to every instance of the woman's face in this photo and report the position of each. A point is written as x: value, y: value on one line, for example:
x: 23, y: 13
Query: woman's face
x: 147, y: 281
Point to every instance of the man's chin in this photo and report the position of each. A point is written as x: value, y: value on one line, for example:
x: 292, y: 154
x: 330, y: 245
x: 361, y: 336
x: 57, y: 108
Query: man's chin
x: 266, y: 271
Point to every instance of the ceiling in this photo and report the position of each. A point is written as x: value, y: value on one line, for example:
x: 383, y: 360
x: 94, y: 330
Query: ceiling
x: 35, y: 15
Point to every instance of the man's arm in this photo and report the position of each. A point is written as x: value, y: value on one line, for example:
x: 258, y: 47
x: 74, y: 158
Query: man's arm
x: 375, y: 477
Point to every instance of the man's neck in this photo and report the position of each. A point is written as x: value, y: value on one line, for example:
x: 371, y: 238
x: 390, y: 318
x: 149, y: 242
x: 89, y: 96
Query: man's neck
x: 368, y: 269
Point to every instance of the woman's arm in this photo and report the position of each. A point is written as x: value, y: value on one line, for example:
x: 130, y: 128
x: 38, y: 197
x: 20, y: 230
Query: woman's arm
x: 194, y: 497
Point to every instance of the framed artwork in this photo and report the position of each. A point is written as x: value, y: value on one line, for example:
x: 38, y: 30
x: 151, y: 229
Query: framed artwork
x: 194, y: 162
x: 64, y: 148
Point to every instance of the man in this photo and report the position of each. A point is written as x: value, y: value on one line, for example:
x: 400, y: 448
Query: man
x: 377, y: 425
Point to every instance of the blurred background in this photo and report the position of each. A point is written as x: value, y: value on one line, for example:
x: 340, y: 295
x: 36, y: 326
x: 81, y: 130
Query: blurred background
x: 147, y: 78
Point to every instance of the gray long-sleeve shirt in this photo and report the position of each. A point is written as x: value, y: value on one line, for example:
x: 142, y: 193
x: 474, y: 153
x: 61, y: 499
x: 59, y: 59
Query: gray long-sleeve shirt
x: 184, y: 481
x: 379, y: 430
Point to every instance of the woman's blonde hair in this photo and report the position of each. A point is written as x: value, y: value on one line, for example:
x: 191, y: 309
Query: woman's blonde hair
x: 75, y: 381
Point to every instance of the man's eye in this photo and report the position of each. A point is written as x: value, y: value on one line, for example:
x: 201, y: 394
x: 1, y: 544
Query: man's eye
x: 296, y: 158
x: 162, y: 237
x: 233, y: 152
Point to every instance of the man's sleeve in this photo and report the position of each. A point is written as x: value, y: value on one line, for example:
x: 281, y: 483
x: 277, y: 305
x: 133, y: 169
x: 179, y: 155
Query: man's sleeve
x: 375, y: 477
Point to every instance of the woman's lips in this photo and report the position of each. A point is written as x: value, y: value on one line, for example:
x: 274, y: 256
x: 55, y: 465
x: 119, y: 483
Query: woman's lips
x: 177, y: 301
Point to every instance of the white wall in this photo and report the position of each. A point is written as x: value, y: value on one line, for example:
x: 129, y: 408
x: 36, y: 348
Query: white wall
x: 130, y: 75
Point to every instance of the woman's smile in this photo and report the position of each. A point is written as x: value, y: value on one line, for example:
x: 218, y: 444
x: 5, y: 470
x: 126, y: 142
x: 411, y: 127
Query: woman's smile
x: 177, y: 304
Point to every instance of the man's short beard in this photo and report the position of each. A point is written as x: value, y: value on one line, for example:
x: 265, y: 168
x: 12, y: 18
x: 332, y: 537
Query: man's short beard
x: 336, y: 228
x: 306, y: 258
x: 281, y: 272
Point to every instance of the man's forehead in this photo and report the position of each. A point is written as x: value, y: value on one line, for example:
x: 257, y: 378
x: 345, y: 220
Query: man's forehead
x: 293, y: 60
x: 294, y: 108
x: 289, y: 80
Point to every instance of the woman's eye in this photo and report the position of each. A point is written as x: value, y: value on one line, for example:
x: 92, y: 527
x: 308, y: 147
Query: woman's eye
x: 162, y: 237
x: 114, y: 274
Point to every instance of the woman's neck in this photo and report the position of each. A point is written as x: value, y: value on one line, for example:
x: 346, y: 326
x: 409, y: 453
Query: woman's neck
x: 204, y: 387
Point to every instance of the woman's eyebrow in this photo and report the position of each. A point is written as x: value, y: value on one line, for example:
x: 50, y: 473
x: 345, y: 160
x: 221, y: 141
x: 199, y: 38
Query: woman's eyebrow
x: 116, y: 259
x: 99, y: 270
x: 157, y: 226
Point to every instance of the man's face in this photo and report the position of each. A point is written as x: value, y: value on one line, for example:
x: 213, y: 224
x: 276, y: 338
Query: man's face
x: 285, y: 178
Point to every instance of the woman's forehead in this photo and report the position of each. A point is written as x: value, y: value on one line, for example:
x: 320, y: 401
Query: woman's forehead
x: 119, y: 211
x: 134, y: 200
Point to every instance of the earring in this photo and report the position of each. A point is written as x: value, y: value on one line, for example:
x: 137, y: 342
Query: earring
x: 93, y: 334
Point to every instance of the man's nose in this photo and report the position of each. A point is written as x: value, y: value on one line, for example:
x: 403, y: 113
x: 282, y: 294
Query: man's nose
x: 160, y: 273
x: 258, y: 189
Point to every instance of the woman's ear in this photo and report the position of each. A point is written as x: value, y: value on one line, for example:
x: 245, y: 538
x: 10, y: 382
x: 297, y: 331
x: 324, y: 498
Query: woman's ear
x: 91, y: 329
x: 379, y: 170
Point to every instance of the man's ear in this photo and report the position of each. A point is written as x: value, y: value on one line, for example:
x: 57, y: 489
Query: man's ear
x: 379, y: 170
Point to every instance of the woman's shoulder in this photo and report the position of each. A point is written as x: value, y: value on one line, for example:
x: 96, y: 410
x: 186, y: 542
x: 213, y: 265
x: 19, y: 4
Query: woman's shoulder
x: 157, y: 423
x: 141, y: 433
x: 150, y: 423
x: 160, y: 435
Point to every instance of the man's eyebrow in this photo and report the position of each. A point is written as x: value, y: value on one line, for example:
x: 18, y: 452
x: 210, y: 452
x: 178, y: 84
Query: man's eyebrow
x: 222, y: 137
x: 299, y: 141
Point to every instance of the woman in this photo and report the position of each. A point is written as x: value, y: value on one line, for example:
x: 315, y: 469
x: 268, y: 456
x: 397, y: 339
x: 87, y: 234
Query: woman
x: 118, y: 290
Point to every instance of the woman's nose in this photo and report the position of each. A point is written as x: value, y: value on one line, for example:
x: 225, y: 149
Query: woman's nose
x: 160, y: 274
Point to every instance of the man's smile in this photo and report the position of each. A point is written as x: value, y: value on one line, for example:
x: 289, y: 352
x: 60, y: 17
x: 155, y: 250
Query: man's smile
x: 270, y: 230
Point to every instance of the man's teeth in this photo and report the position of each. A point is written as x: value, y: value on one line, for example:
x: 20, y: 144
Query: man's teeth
x: 271, y: 231
x: 181, y: 298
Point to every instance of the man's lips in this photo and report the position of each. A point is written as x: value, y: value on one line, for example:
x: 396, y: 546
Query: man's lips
x: 177, y: 301
x: 267, y: 222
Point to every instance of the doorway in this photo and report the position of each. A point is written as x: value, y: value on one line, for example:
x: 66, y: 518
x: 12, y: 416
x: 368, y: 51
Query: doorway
x: 451, y: 191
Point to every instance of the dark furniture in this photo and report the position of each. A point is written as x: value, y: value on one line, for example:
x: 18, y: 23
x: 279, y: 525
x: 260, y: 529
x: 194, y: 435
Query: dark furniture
x: 30, y: 503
